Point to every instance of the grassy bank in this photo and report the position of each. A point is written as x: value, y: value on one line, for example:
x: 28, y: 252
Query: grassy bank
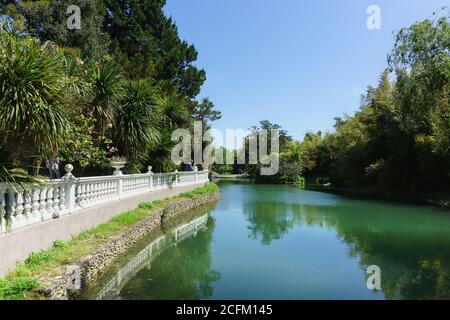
x: 25, y: 277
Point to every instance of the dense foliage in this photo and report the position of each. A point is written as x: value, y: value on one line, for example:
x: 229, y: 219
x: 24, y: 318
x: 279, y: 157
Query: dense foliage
x: 116, y: 87
x: 400, y: 137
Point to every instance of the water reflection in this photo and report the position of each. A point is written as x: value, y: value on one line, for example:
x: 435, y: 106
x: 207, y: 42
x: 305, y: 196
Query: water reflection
x: 411, y: 244
x: 191, y: 273
x: 277, y: 242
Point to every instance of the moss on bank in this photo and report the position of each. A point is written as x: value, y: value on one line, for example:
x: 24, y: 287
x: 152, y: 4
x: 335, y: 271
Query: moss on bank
x: 25, y: 277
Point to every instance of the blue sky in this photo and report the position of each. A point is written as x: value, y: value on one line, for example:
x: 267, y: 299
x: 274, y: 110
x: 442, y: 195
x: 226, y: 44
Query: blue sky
x: 298, y: 63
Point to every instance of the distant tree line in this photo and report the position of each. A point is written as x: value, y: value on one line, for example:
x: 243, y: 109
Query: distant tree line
x: 399, y: 139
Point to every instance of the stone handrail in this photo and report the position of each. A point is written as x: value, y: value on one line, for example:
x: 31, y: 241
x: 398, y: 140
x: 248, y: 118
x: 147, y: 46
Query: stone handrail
x: 67, y: 195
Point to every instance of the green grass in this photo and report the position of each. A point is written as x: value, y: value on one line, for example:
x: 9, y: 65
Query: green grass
x: 25, y: 277
x: 16, y: 289
x: 210, y: 187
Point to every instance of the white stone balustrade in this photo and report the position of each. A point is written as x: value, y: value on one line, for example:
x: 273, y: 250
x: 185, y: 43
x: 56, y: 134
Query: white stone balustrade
x: 69, y: 194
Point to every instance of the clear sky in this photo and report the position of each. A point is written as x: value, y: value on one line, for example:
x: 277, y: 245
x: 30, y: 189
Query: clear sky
x: 299, y: 63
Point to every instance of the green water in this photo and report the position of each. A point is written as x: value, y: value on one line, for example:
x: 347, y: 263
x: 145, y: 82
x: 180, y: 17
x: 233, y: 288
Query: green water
x: 276, y: 242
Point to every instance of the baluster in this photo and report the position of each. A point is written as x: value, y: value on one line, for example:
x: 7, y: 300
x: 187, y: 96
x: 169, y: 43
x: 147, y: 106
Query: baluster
x: 35, y: 202
x: 2, y: 203
x: 50, y: 200
x: 112, y: 190
x: 94, y: 190
x: 100, y: 190
x: 87, y: 194
x: 109, y: 189
x: 56, y: 200
x: 43, y: 202
x: 27, y: 206
x: 62, y: 197
x: 11, y: 206
x: 78, y: 195
x: 82, y: 195
x: 18, y: 216
x: 105, y: 190
x: 124, y: 185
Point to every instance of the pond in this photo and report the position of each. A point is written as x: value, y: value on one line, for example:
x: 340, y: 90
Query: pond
x: 281, y: 242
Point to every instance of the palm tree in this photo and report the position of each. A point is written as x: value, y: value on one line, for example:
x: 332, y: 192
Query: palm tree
x: 159, y: 156
x: 33, y: 118
x: 173, y: 113
x: 106, y: 82
x: 134, y: 130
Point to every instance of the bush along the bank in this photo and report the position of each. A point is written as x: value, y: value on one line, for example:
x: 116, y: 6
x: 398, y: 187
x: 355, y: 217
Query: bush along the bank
x: 26, y: 276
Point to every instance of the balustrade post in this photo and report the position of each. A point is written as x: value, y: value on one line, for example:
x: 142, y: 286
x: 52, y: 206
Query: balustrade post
x: 69, y: 188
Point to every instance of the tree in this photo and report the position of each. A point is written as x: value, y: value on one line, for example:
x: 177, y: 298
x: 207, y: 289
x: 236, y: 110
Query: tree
x: 284, y: 137
x: 47, y: 20
x: 33, y: 118
x: 204, y: 111
x: 82, y: 149
x: 147, y: 44
x: 106, y: 86
x: 134, y: 129
x: 172, y: 113
x: 422, y: 62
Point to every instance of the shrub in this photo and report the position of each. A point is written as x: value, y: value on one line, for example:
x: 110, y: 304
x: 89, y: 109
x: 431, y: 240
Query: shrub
x: 17, y: 289
x: 38, y: 258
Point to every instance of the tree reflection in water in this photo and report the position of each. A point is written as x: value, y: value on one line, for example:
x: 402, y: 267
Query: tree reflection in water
x: 175, y: 264
x: 182, y: 272
x: 411, y: 248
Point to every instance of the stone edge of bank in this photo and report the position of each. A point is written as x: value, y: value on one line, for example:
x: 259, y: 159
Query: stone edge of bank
x: 82, y: 272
